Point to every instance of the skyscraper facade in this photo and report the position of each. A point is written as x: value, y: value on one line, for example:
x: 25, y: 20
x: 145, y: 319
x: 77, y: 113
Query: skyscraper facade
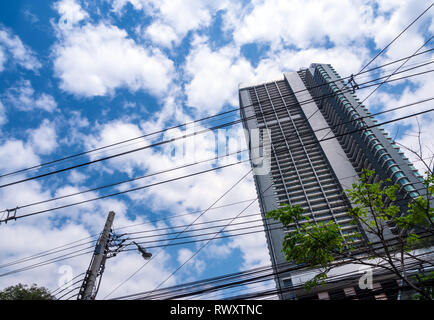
x: 321, y: 138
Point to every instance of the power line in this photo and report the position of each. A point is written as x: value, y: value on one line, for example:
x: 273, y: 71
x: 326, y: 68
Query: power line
x: 394, y: 39
x: 47, y: 262
x: 270, y: 185
x: 130, y: 180
x: 330, y: 280
x: 216, y: 168
x: 53, y: 292
x: 167, y: 129
x: 73, y: 254
x: 124, y: 192
x: 198, y: 250
x: 399, y: 202
x: 213, y: 227
x: 202, y: 161
x: 72, y: 284
x: 133, y: 150
x: 173, y: 244
x: 191, y: 230
x: 73, y: 289
x: 207, y: 283
x: 153, y: 257
x: 396, y: 70
x: 266, y: 278
x: 389, y: 121
x: 142, y: 187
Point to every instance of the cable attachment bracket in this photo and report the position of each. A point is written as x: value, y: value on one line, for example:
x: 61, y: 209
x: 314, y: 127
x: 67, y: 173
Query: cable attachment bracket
x: 115, y: 245
x: 353, y: 84
x: 11, y: 215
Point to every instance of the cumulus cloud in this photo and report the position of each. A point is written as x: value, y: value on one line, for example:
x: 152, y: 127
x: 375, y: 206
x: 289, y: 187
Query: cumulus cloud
x: 76, y: 177
x: 23, y: 156
x: 214, y: 77
x: 2, y: 59
x: 114, y: 132
x: 195, y: 266
x: 12, y: 49
x: 162, y: 34
x: 173, y: 19
x: 94, y: 60
x: 70, y: 13
x: 394, y: 16
x: 406, y: 131
x: 180, y: 16
x: 3, y: 118
x: 44, y: 139
x: 324, y: 22
x: 202, y: 190
x: 23, y: 97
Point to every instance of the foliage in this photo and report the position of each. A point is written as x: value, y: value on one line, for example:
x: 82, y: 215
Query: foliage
x: 375, y: 206
x: 429, y: 289
x: 310, y: 243
x: 23, y: 292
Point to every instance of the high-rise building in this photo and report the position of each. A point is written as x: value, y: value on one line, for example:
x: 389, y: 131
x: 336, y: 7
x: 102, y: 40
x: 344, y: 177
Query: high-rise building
x: 318, y: 149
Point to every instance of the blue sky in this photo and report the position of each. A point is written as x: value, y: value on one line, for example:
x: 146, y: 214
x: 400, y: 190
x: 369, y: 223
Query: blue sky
x: 76, y: 75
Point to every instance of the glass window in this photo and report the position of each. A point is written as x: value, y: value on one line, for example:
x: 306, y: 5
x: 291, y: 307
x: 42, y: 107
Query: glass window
x: 393, y: 169
x: 399, y: 174
x: 403, y: 181
x: 409, y: 188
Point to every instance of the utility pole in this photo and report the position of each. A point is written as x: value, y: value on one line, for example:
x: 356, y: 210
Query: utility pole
x: 88, y: 288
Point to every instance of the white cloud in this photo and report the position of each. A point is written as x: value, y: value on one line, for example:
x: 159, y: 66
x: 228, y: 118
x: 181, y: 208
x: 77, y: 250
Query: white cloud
x: 30, y: 16
x: 22, y: 155
x: 76, y: 177
x: 182, y: 15
x: 278, y: 21
x: 70, y: 13
x: 202, y: 190
x: 162, y: 34
x: 3, y: 118
x: 407, y: 130
x: 174, y: 19
x: 23, y: 97
x: 394, y: 16
x: 39, y: 234
x: 94, y: 60
x: 114, y: 132
x: 13, y: 49
x: 346, y: 60
x: 118, y: 5
x: 194, y: 266
x: 44, y: 138
x: 46, y: 102
x: 215, y: 76
x: 2, y: 59
x: 121, y: 267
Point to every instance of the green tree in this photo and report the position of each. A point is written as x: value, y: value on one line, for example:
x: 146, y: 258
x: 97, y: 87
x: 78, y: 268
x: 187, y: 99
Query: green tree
x: 323, y: 245
x: 24, y: 292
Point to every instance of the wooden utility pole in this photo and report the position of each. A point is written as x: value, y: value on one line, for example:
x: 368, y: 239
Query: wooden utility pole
x: 88, y: 288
